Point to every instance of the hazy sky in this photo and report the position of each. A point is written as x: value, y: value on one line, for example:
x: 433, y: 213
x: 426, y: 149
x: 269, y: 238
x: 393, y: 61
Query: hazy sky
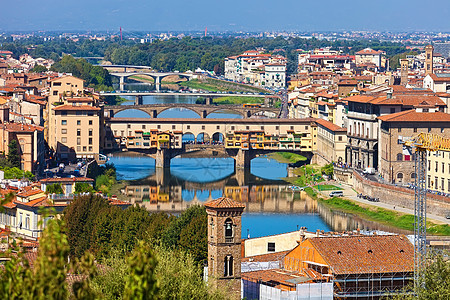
x: 234, y: 15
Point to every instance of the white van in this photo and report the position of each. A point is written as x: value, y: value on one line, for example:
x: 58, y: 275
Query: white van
x: 336, y: 194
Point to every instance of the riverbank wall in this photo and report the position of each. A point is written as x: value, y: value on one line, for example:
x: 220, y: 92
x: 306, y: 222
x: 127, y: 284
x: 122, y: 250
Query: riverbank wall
x: 399, y: 196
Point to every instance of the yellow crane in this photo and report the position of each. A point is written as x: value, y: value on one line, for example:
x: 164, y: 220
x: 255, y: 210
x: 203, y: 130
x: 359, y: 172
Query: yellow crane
x: 420, y: 145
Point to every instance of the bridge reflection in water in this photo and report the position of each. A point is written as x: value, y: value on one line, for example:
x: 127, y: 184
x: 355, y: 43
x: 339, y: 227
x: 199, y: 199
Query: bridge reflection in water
x: 167, y: 192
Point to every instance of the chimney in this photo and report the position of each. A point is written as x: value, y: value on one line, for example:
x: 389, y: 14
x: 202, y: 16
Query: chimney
x: 317, y: 233
x: 389, y: 95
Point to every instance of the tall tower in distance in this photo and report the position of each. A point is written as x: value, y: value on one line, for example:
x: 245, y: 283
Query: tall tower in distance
x: 224, y: 245
x: 429, y: 59
x: 404, y: 72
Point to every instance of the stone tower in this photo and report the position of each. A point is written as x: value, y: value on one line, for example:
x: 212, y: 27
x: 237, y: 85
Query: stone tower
x: 429, y: 59
x: 224, y: 244
x: 403, y: 72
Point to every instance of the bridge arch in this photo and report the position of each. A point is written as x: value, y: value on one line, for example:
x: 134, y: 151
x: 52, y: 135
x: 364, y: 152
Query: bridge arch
x: 188, y: 137
x: 131, y: 108
x: 218, y: 137
x: 203, y: 137
x: 225, y: 110
x: 197, y: 113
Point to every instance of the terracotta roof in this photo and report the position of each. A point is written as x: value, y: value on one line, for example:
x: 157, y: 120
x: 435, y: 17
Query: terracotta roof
x: 74, y: 179
x: 10, y: 205
x: 35, y: 99
x: 81, y: 99
x: 277, y: 256
x: 368, y: 51
x: 223, y: 202
x: 17, y: 127
x: 42, y: 201
x: 29, y: 193
x: 276, y: 277
x: 414, y: 116
x: 366, y: 254
x: 443, y: 77
x: 330, y: 126
x: 71, y: 107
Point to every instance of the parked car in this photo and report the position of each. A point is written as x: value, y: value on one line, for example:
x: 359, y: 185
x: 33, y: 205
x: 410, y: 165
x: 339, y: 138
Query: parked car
x: 336, y: 194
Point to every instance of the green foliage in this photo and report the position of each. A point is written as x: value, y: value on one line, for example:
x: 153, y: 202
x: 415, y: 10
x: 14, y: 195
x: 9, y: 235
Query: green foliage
x: 83, y: 187
x: 172, y: 235
x: 436, y: 285
x: 238, y: 100
x: 38, y: 69
x: 14, y: 154
x: 47, y: 280
x: 215, y: 85
x: 180, y: 277
x: 55, y: 188
x: 80, y: 217
x: 194, y: 238
x: 94, y: 76
x: 327, y: 187
x: 141, y: 283
x: 106, y: 178
x: 328, y: 169
x: 110, y: 281
x: 16, y: 173
x: 394, y: 61
x: 287, y: 157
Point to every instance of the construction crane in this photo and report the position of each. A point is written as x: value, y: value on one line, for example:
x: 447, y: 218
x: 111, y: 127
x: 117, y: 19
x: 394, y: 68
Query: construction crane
x: 420, y: 145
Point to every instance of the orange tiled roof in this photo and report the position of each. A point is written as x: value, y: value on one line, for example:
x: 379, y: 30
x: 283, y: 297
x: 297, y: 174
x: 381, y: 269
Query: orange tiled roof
x: 414, y: 116
x: 366, y: 254
x: 329, y: 125
x: 223, y: 202
x: 266, y: 257
x: 17, y: 127
x: 29, y: 193
x: 74, y: 179
x: 71, y: 107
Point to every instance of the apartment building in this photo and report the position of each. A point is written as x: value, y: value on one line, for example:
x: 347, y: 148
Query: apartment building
x: 396, y: 162
x: 438, y: 83
x: 331, y: 141
x: 30, y: 139
x: 370, y: 56
x: 254, y: 67
x: 362, y: 127
x: 75, y: 128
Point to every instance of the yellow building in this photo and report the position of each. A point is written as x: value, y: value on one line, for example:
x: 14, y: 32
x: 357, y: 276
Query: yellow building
x: 438, y: 172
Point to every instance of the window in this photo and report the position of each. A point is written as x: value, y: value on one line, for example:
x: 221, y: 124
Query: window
x: 27, y: 222
x: 90, y: 132
x: 78, y: 132
x: 90, y: 148
x: 436, y: 168
x: 415, y: 129
x: 129, y: 125
x: 90, y: 141
x: 78, y: 141
x: 429, y: 129
x: 292, y: 127
x: 270, y: 247
x: 228, y: 266
x: 413, y: 175
x: 232, y: 127
x: 84, y: 148
x: 56, y: 83
x: 247, y: 127
x: 143, y: 126
x: 55, y: 93
x: 203, y: 127
x: 173, y: 126
x: 436, y: 182
x: 159, y: 126
x: 443, y: 168
x: 78, y: 148
x: 429, y: 165
x: 400, y: 176
x: 442, y: 183
x: 448, y: 185
x: 228, y: 230
x: 63, y: 131
x: 188, y: 127
x: 399, y: 129
x: 340, y: 138
x: 399, y: 157
x: 392, y: 110
x: 90, y: 123
x: 277, y: 127
x: 64, y: 140
x: 63, y: 122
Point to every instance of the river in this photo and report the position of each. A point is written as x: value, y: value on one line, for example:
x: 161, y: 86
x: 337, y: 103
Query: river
x: 271, y: 205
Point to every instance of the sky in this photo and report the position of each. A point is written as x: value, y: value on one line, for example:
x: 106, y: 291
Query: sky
x: 231, y: 15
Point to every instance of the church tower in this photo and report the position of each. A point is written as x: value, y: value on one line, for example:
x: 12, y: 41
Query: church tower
x: 404, y: 72
x: 224, y: 244
x: 429, y: 59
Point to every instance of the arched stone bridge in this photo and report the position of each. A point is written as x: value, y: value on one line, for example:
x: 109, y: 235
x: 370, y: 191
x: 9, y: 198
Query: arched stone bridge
x: 203, y: 110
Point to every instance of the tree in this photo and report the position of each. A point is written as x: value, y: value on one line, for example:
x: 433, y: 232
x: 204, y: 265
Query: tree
x: 328, y: 169
x: 80, y: 217
x: 141, y: 283
x: 55, y: 188
x: 14, y: 154
x: 39, y: 69
x: 194, y: 239
x: 83, y: 187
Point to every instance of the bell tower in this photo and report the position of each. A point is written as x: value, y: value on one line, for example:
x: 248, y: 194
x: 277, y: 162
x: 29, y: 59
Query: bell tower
x: 224, y: 244
x: 429, y: 60
x: 403, y: 72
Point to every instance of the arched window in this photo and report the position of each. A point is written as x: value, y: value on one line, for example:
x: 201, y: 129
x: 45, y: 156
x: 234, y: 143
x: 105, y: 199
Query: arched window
x: 399, y: 157
x: 228, y: 266
x: 228, y: 228
x: 413, y: 175
x: 399, y: 175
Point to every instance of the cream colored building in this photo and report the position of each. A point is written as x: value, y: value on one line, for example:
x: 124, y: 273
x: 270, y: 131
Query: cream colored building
x: 438, y: 172
x: 60, y: 87
x: 75, y: 129
x: 331, y: 141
